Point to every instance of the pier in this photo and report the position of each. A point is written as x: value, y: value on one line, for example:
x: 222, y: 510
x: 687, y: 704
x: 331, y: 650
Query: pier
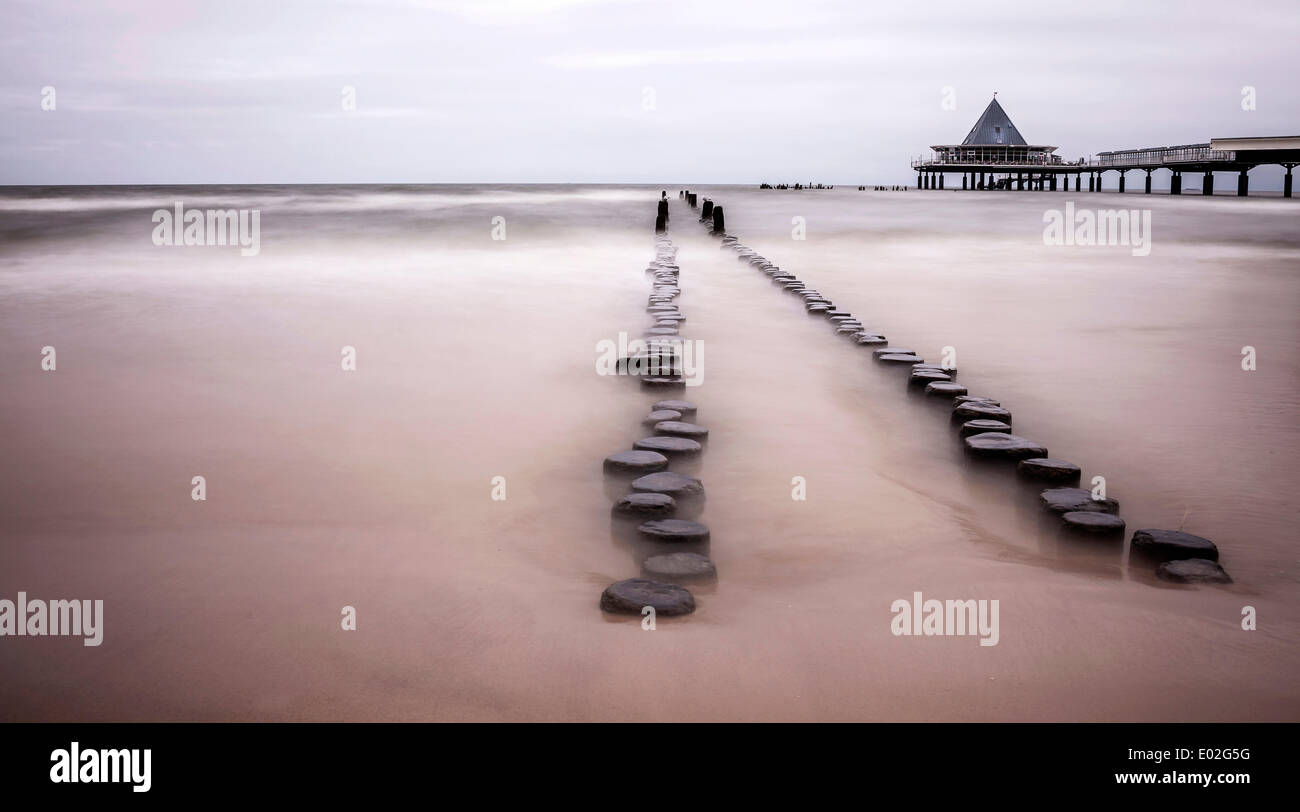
x: 995, y: 156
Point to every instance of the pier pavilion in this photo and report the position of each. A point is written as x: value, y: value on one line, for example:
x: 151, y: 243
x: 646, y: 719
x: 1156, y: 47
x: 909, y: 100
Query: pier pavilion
x: 994, y: 155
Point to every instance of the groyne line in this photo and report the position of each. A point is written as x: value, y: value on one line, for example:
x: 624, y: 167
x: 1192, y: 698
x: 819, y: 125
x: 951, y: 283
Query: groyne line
x: 659, y: 497
x: 984, y: 426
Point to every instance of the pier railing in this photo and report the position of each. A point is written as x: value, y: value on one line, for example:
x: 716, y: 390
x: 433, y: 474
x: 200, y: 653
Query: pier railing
x: 1155, y: 156
x: 1162, y: 156
x: 941, y: 159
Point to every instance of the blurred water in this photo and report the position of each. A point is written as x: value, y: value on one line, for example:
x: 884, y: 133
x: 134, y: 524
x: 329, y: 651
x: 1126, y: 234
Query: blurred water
x: 476, y: 359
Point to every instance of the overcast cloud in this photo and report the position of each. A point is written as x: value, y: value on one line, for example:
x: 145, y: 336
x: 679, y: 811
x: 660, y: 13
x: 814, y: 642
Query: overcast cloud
x: 556, y: 90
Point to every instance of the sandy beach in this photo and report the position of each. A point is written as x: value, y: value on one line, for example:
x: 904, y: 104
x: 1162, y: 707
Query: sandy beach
x: 476, y: 359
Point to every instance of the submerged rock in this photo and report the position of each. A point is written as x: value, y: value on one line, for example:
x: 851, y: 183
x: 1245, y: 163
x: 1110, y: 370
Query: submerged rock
x: 683, y: 406
x: 679, y: 567
x: 676, y: 428
x: 1005, y: 446
x: 977, y: 410
x: 660, y: 415
x: 646, y: 506
x: 664, y: 382
x: 644, y: 462
x: 982, y: 426
x: 670, y: 482
x: 1048, y: 469
x: 631, y: 596
x: 1066, y: 500
x: 668, y: 445
x: 1171, y: 545
x: 922, y: 377
x: 674, y: 530
x: 978, y: 399
x: 898, y: 358
x: 1193, y: 571
x: 1090, y: 521
x: 945, y: 389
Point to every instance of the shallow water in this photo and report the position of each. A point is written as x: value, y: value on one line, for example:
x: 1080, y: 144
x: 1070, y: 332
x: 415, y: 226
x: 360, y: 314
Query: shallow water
x: 475, y: 359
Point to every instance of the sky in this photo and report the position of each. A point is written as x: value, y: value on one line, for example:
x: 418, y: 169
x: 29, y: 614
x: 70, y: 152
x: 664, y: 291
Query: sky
x: 535, y: 91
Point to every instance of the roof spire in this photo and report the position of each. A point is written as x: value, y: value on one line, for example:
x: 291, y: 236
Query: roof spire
x: 994, y: 128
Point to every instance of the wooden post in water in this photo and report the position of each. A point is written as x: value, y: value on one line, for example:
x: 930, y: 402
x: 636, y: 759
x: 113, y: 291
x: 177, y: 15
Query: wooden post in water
x: 719, y: 225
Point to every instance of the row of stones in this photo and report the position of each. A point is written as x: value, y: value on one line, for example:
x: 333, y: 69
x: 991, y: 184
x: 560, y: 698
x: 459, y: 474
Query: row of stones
x: 985, y: 428
x: 658, y: 494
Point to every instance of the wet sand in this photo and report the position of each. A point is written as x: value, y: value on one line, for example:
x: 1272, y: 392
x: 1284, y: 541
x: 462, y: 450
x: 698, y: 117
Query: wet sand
x: 476, y: 359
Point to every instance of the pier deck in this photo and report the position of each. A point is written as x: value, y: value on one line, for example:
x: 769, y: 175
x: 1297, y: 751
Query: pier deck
x: 1238, y: 155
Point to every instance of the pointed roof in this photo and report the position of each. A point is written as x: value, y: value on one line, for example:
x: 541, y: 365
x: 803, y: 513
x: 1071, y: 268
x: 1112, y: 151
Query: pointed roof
x: 994, y: 128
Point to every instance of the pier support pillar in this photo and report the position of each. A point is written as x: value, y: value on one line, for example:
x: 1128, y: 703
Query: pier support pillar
x: 1053, y: 181
x: 1020, y: 181
x: 1207, y: 188
x: 918, y: 180
x: 1091, y: 182
x: 963, y: 181
x: 1243, y: 184
x: 940, y: 180
x: 1148, y: 186
x: 1078, y: 181
x: 1286, y: 182
x: 981, y: 186
x: 1122, y: 175
x: 1176, y: 183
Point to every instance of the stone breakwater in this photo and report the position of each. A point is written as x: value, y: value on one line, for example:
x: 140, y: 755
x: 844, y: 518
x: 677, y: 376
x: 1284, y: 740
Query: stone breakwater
x: 984, y: 427
x: 662, y: 505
